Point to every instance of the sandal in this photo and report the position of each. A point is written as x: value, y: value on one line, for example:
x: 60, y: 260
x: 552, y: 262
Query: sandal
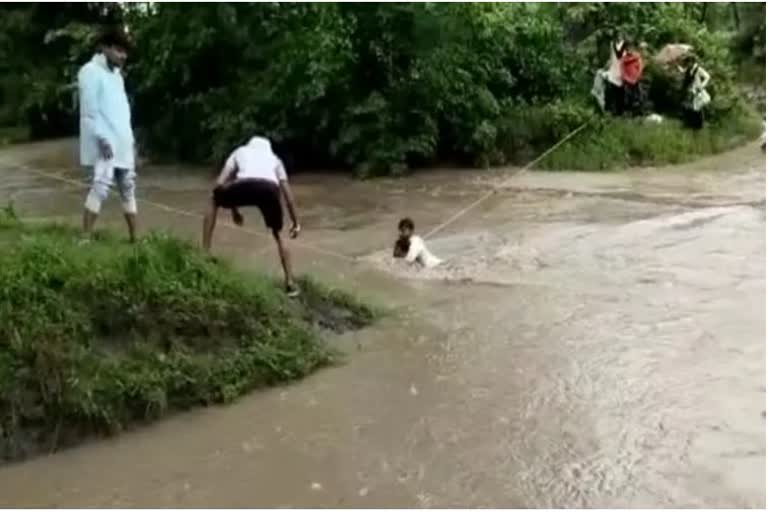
x: 292, y: 291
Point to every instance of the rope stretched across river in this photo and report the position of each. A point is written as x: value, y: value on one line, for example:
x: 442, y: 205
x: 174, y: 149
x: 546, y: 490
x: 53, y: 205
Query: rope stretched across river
x: 313, y: 248
x: 491, y: 192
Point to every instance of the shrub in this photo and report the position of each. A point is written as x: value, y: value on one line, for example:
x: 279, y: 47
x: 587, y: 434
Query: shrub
x: 376, y: 88
x: 527, y: 132
x: 95, y: 339
x: 615, y: 143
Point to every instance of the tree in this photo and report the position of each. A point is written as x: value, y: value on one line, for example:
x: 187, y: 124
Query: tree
x: 373, y: 87
x: 40, y: 49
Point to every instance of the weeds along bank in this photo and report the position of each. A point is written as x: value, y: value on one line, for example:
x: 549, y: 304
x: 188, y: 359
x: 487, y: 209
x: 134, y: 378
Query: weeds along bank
x: 380, y: 88
x: 95, y: 339
x: 611, y: 143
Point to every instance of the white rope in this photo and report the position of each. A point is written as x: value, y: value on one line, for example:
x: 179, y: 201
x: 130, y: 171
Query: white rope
x: 491, y: 192
x: 186, y: 213
x: 318, y: 250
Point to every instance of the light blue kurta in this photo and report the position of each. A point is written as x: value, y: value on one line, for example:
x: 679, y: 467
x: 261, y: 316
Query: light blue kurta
x: 104, y: 113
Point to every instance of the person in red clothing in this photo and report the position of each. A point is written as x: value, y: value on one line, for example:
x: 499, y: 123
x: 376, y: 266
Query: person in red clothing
x: 631, y: 68
x: 631, y: 74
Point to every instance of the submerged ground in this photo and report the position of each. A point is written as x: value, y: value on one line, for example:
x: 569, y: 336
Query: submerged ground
x: 597, y: 340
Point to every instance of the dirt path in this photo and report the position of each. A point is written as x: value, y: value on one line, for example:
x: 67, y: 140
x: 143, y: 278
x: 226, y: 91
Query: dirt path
x: 598, y: 340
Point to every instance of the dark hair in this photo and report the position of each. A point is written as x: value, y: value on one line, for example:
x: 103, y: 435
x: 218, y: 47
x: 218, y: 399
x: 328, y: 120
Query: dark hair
x: 115, y: 36
x: 406, y: 223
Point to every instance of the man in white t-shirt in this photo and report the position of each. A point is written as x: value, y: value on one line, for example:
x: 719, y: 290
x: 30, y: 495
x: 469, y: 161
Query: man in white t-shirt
x: 254, y: 176
x: 412, y: 248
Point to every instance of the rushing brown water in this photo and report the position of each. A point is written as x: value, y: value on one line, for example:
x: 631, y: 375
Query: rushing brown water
x: 595, y: 340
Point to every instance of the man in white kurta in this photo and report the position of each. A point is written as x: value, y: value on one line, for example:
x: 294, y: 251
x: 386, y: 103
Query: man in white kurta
x: 106, y: 135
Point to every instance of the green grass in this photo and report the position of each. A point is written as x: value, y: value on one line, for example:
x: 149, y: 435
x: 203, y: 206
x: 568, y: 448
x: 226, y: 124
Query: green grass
x: 99, y: 337
x: 612, y: 144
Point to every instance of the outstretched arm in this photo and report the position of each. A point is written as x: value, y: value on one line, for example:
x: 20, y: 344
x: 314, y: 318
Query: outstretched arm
x: 285, y: 188
x: 704, y: 77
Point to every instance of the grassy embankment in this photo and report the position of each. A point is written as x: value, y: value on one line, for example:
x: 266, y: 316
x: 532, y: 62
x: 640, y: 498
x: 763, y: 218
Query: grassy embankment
x: 610, y: 143
x: 96, y: 339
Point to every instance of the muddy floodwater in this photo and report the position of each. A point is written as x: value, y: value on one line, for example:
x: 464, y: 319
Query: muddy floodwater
x: 594, y: 340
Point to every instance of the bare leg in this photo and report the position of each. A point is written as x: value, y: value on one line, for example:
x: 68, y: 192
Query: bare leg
x: 89, y: 219
x: 209, y: 223
x: 126, y: 185
x: 285, y: 260
x: 96, y: 195
x: 130, y: 220
x: 237, y: 217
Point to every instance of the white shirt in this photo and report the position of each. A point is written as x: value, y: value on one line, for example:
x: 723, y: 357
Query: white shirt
x: 700, y: 96
x: 104, y: 114
x: 255, y: 160
x: 418, y: 252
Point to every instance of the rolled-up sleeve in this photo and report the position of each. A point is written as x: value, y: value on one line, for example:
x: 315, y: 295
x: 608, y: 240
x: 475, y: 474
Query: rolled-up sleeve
x: 89, y: 84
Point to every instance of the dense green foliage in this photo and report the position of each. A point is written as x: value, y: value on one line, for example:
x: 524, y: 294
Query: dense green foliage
x: 41, y: 48
x: 93, y: 339
x: 381, y: 87
x: 369, y: 86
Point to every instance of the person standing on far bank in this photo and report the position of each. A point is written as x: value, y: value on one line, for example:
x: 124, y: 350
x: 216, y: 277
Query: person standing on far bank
x: 106, y: 136
x: 696, y: 97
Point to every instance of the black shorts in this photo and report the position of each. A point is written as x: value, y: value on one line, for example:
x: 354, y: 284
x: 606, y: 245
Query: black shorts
x: 253, y: 192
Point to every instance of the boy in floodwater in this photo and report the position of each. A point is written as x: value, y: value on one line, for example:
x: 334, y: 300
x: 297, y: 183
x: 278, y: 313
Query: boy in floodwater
x: 412, y: 248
